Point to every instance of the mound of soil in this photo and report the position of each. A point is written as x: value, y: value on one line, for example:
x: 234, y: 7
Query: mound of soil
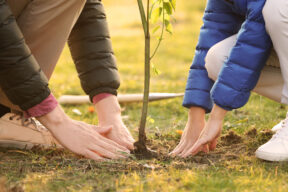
x: 231, y: 138
x: 251, y: 133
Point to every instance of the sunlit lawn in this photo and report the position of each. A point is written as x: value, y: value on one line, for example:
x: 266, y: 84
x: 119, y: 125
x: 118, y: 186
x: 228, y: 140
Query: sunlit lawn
x: 232, y: 167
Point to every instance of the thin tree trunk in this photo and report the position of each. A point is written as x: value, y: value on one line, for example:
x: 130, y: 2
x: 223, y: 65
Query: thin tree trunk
x: 142, y: 135
x: 145, y: 23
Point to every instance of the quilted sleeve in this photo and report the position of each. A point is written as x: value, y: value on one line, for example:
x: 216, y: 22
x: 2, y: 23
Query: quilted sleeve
x: 91, y: 49
x: 21, y: 78
x: 241, y: 71
x: 220, y: 22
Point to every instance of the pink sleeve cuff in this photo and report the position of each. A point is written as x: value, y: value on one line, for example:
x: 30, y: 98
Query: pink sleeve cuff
x: 100, y: 96
x: 46, y: 106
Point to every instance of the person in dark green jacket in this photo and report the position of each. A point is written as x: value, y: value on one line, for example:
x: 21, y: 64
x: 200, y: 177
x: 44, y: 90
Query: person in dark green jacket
x: 32, y: 37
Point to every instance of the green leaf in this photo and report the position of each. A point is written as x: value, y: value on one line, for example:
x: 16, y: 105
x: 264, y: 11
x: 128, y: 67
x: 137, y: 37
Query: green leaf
x: 155, y: 70
x: 156, y: 14
x: 173, y: 3
x: 168, y: 27
x: 155, y: 29
x: 168, y: 7
x: 167, y: 17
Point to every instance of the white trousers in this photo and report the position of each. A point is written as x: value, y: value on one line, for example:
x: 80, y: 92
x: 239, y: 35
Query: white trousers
x: 275, y: 13
x: 270, y: 83
x: 273, y: 81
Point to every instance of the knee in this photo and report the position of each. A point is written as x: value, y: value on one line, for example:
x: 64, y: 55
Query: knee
x: 213, y: 63
x: 275, y: 14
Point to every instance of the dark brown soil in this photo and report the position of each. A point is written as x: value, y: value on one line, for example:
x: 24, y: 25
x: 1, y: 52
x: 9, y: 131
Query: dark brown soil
x: 141, y: 151
x: 231, y: 138
x: 231, y: 147
x: 252, y: 133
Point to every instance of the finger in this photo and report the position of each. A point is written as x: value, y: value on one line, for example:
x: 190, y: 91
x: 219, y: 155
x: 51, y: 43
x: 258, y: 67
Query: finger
x: 196, y: 148
x: 125, y: 143
x: 179, y: 145
x: 111, y: 145
x: 175, y: 152
x: 102, y: 130
x: 187, y: 147
x: 179, y: 149
x: 128, y: 134
x: 205, y: 148
x: 131, y: 139
x: 213, y: 145
x: 105, y: 153
x: 91, y: 155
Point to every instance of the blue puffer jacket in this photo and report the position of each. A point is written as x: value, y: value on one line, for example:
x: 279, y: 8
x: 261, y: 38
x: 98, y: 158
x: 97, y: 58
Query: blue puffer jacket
x: 241, y: 71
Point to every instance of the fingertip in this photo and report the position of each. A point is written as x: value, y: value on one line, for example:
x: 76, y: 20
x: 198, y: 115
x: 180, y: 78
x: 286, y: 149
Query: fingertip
x: 213, y: 145
x: 94, y: 156
x: 173, y: 154
x: 129, y: 145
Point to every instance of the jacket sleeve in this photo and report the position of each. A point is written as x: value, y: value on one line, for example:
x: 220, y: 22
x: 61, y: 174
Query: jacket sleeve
x: 92, y: 52
x: 219, y: 23
x: 241, y: 71
x: 21, y: 78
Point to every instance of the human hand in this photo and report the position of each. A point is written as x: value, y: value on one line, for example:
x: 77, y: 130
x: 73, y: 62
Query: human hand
x: 81, y: 138
x: 208, y: 137
x: 194, y: 126
x: 109, y: 115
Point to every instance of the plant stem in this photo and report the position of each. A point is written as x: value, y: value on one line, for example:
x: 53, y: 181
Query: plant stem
x: 143, y: 17
x: 142, y: 135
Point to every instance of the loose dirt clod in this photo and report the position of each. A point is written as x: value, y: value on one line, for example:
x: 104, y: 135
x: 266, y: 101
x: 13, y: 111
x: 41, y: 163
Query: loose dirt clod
x: 231, y: 138
x: 264, y: 136
x: 251, y: 133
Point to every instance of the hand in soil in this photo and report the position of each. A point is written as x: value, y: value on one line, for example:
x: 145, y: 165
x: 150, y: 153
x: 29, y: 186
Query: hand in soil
x: 209, y: 135
x: 109, y: 115
x: 81, y: 138
x: 192, y: 131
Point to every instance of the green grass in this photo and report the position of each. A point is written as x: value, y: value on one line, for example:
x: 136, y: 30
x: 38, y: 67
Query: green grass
x: 232, y: 167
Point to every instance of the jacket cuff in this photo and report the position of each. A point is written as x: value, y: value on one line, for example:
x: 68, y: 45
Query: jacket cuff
x: 228, y: 98
x: 102, y: 90
x: 100, y: 97
x: 35, y: 101
x: 198, y: 98
x: 43, y: 108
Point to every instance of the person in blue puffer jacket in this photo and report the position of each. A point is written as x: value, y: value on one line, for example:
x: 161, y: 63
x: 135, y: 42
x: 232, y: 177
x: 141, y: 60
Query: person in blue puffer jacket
x: 239, y: 74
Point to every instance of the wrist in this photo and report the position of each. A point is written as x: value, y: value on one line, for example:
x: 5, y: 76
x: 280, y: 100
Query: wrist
x: 196, y: 118
x: 108, y: 109
x: 217, y: 113
x: 54, y: 118
x: 101, y: 96
x: 196, y: 113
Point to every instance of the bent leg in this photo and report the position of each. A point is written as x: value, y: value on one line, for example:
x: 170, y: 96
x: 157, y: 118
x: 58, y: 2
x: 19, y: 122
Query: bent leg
x: 275, y: 13
x: 270, y: 83
x: 46, y: 26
